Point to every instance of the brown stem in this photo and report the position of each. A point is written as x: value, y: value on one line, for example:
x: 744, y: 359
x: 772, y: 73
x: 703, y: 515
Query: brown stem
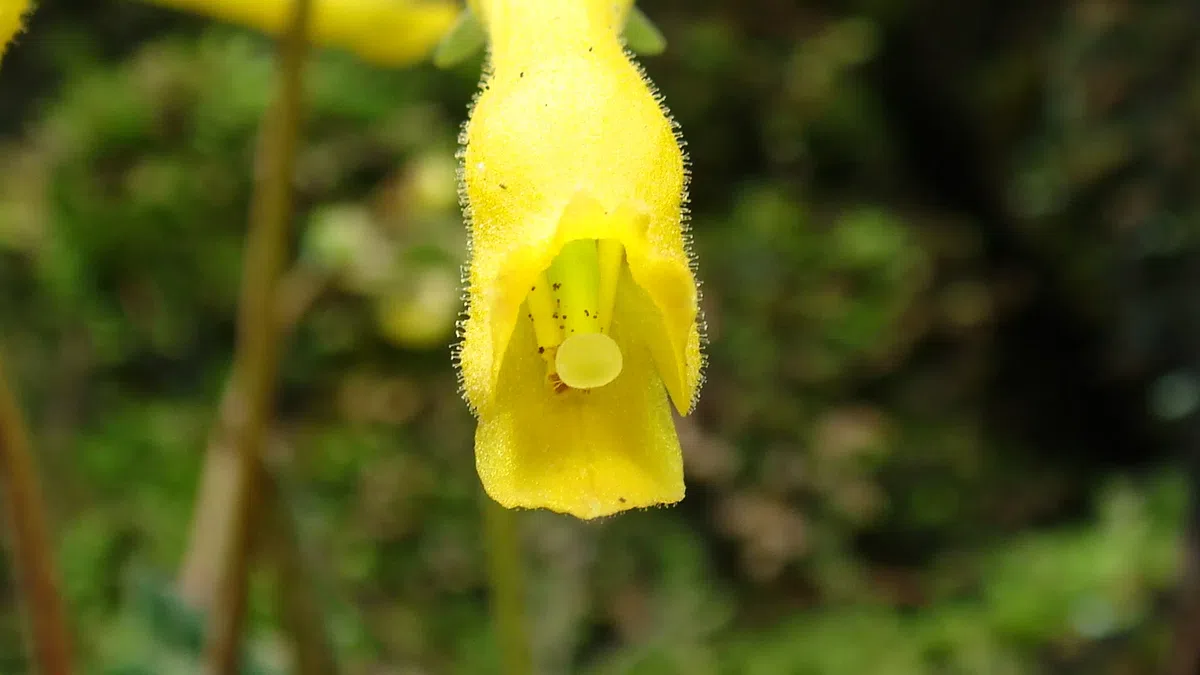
x: 257, y: 360
x: 211, y: 532
x: 31, y: 541
x: 212, y: 516
x: 1185, y: 649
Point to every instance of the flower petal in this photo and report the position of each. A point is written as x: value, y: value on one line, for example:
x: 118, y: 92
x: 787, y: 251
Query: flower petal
x: 381, y: 31
x: 548, y: 127
x: 585, y: 454
x: 659, y: 263
x: 659, y: 266
x: 663, y: 271
x: 11, y: 14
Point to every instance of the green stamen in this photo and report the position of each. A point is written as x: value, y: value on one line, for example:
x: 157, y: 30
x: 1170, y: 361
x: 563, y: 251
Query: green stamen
x: 575, y: 279
x: 571, y: 306
x: 611, y: 255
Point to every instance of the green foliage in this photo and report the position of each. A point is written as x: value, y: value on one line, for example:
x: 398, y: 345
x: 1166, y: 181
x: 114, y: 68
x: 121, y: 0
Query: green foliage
x: 1051, y: 590
x: 856, y: 504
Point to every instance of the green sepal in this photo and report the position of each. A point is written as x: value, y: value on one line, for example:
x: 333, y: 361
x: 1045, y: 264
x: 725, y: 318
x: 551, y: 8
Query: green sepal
x: 461, y: 42
x: 642, y: 36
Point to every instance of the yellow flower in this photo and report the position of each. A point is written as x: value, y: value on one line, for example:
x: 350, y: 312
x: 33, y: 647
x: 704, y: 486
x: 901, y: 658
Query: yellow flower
x: 582, y: 308
x: 388, y: 32
x: 11, y: 12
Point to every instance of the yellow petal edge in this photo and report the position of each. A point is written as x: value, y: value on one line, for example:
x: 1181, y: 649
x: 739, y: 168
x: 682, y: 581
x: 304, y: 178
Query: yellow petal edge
x: 566, y: 141
x: 11, y: 13
x: 387, y: 32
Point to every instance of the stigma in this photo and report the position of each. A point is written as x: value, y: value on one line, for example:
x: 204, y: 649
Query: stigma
x: 571, y: 306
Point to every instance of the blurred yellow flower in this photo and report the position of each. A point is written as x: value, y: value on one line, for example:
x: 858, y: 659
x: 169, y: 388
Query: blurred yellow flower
x: 11, y: 12
x: 387, y: 32
x: 582, y: 308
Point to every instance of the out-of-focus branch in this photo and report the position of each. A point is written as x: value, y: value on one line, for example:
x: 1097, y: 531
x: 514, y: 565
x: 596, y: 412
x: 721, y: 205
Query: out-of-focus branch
x: 213, y: 519
x: 32, y: 550
x: 213, y: 515
x: 1185, y: 656
x: 257, y: 361
x: 211, y: 541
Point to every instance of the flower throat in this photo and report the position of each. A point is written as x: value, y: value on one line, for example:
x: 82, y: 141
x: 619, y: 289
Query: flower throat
x: 571, y: 307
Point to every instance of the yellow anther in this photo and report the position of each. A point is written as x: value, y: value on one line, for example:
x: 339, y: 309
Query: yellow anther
x: 541, y: 311
x: 588, y: 360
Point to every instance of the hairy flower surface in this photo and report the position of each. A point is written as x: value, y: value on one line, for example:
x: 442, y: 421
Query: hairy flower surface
x: 11, y: 13
x: 582, y: 319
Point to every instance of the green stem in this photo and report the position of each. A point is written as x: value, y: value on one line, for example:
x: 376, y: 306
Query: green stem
x: 257, y: 360
x: 506, y: 573
x: 32, y: 551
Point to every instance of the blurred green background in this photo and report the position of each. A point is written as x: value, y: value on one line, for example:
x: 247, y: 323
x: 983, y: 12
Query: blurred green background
x: 949, y: 263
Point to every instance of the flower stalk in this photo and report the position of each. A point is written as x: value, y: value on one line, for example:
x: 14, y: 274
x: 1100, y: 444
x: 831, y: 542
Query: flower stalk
x: 257, y: 359
x: 507, y: 579
x: 31, y: 541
